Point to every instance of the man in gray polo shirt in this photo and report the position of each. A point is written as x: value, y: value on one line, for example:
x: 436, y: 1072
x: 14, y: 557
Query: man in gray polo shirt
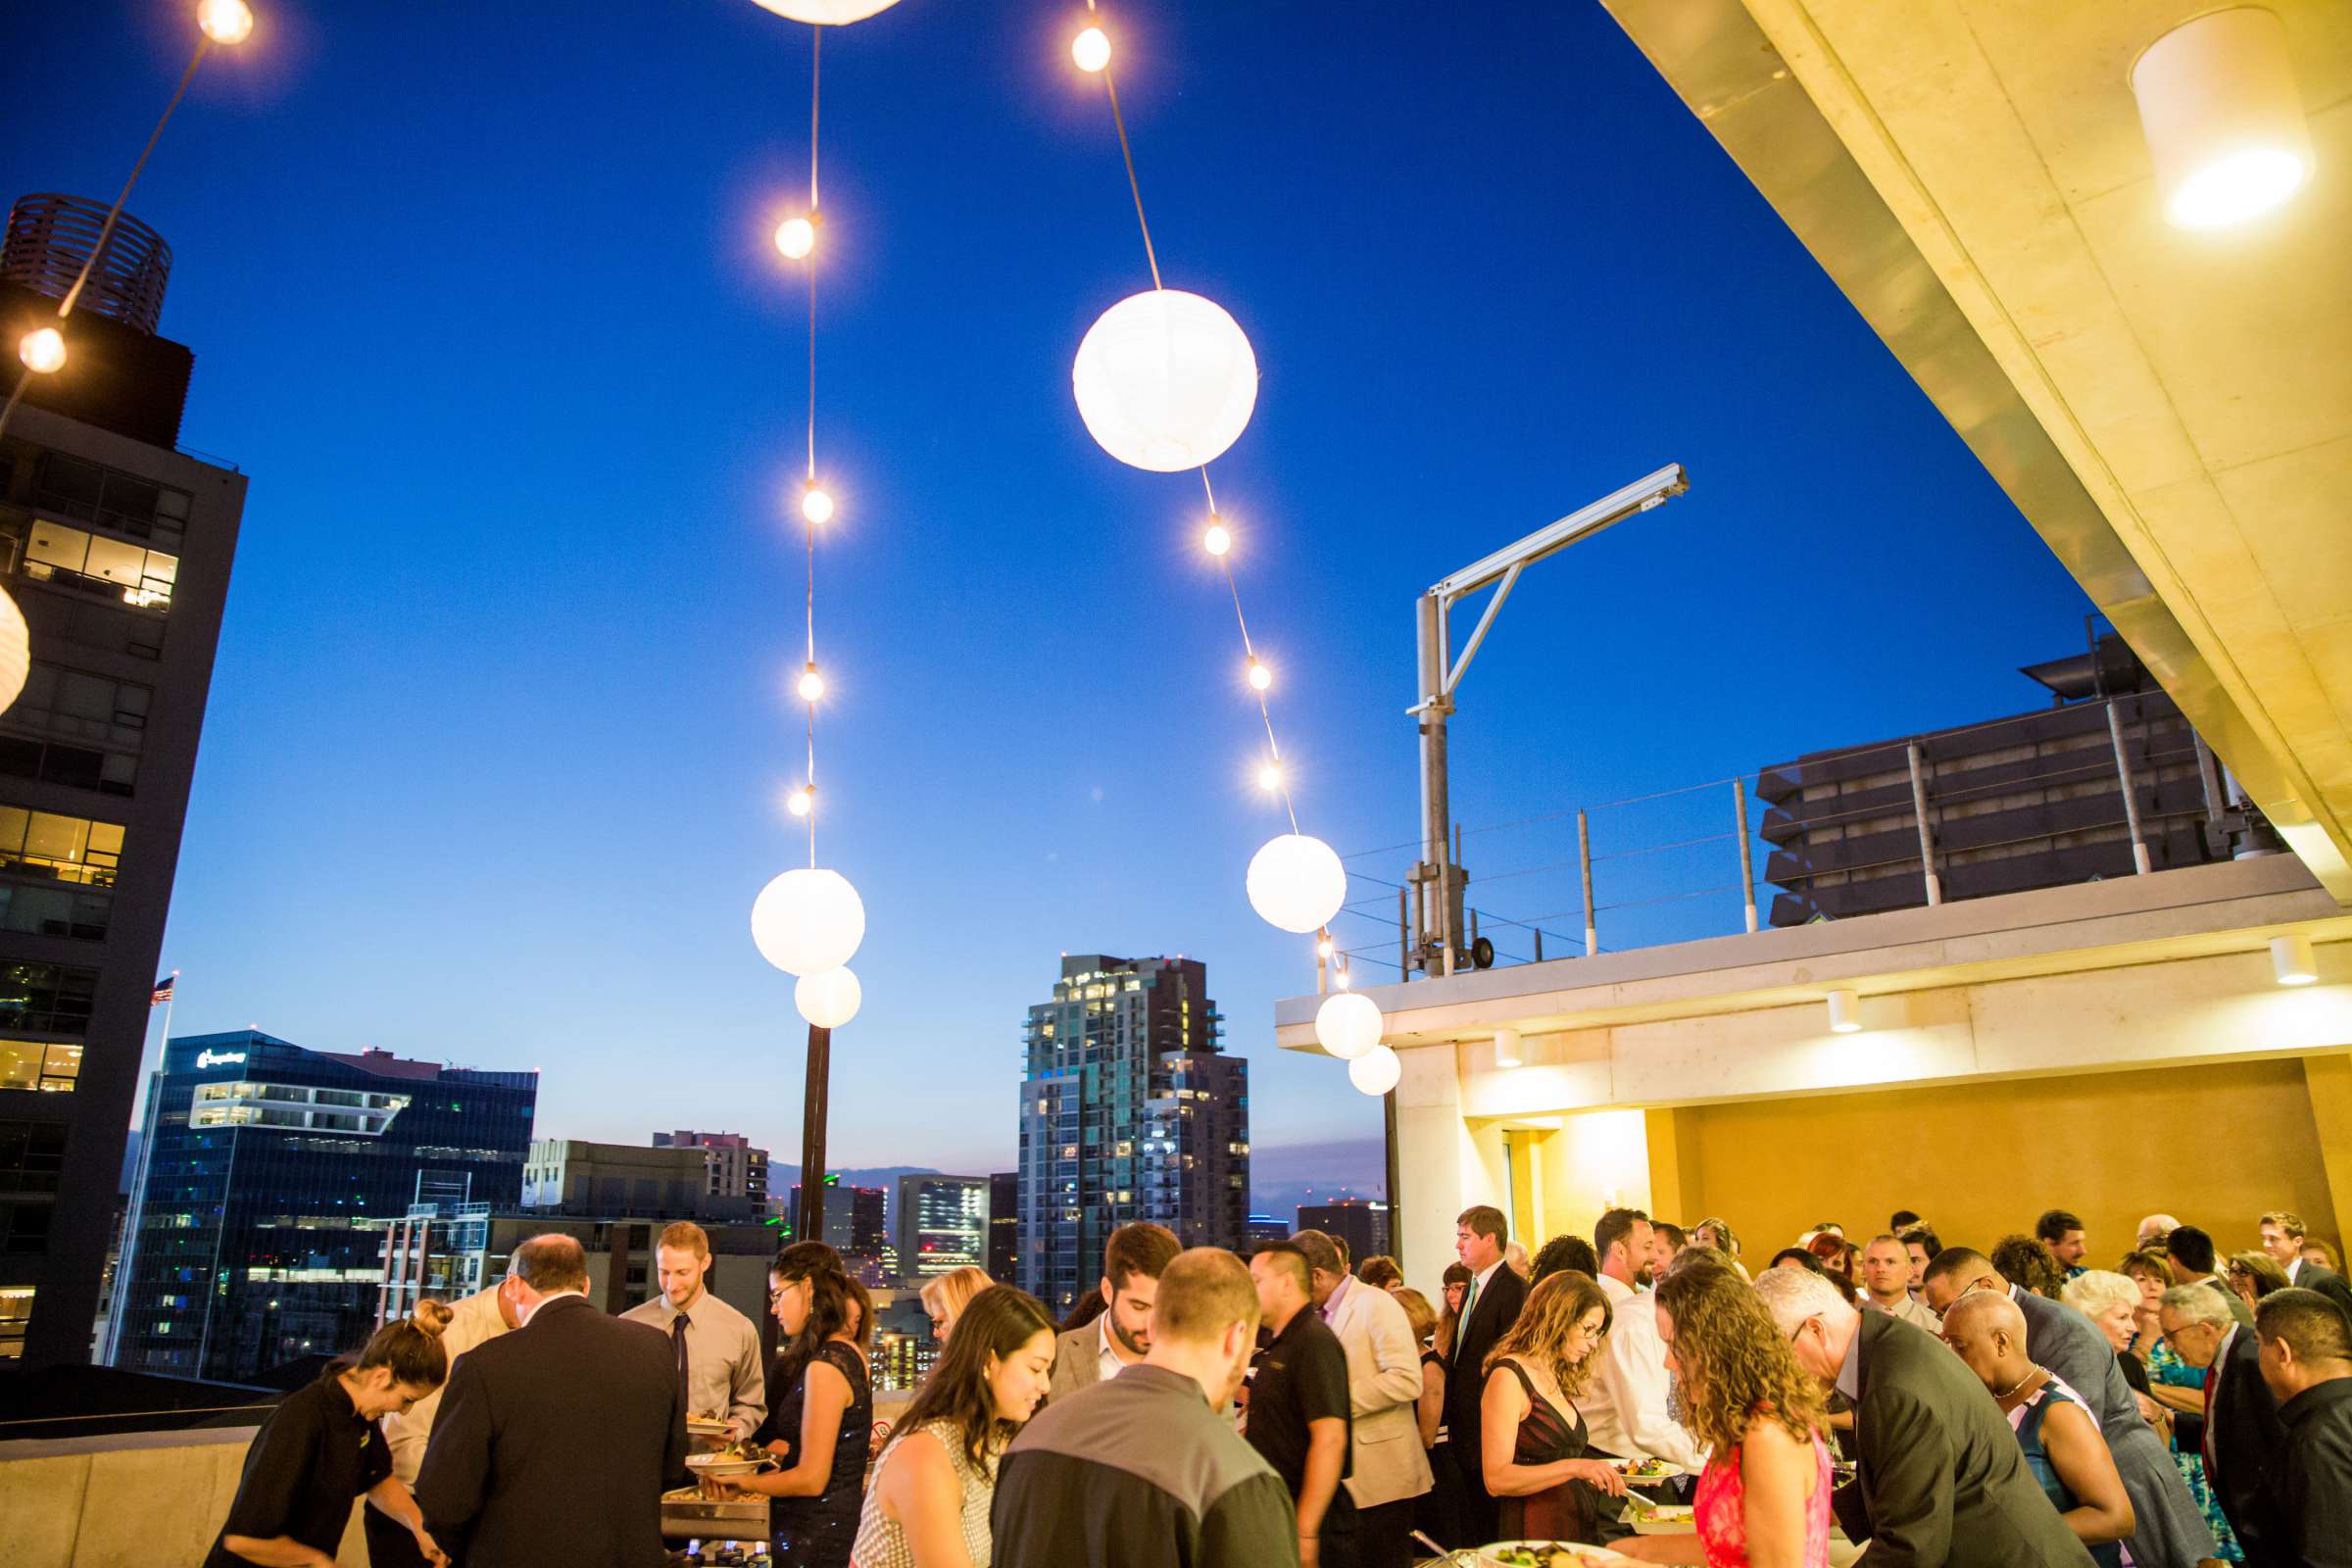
x: 1140, y: 1471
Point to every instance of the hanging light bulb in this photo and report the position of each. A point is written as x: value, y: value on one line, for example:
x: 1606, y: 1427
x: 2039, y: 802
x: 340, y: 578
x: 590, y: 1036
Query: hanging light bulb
x: 1269, y: 777
x: 813, y: 684
x: 1261, y: 677
x: 815, y: 504
x: 1216, y: 541
x: 1164, y: 380
x: 796, y: 237
x: 226, y: 21
x: 800, y: 802
x: 1323, y: 948
x: 1091, y: 49
x: 43, y: 350
x: 1340, y: 979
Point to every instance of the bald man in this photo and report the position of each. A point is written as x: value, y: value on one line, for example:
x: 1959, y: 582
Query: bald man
x: 2051, y: 1424
x: 2169, y: 1530
x: 2154, y: 1229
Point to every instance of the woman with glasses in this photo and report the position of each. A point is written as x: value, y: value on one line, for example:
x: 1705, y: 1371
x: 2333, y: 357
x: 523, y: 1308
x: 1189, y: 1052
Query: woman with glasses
x: 1532, y: 1436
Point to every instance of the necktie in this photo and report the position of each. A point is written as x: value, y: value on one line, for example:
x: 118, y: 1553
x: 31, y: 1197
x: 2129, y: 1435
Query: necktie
x: 678, y: 1333
x: 1469, y: 1303
x: 2213, y: 1381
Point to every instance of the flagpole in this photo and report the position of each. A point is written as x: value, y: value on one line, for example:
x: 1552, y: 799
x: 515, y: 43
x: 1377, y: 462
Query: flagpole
x: 135, y: 1210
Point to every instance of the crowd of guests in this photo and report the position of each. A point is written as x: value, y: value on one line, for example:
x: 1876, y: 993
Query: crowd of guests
x: 2009, y: 1406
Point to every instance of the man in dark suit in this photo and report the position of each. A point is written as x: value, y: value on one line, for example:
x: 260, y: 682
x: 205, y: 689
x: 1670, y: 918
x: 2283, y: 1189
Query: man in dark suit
x: 1489, y: 1306
x: 2307, y: 1361
x: 2169, y: 1530
x: 2190, y: 1252
x: 1941, y: 1478
x: 2245, y: 1443
x: 2282, y: 1236
x: 554, y: 1441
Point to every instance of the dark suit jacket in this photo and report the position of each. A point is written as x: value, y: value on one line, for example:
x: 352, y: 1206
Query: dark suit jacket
x: 1941, y: 1480
x: 553, y: 1442
x: 2238, y: 1308
x: 2328, y: 1283
x: 2168, y: 1530
x: 1495, y: 1309
x: 2249, y: 1445
x: 2315, y: 1487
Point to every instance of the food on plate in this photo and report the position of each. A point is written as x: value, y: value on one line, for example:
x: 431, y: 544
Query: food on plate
x: 1549, y: 1554
x: 1648, y: 1470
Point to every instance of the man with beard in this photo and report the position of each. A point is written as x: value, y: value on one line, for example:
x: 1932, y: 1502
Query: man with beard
x: 1140, y: 1470
x: 1625, y: 1407
x: 1097, y: 1351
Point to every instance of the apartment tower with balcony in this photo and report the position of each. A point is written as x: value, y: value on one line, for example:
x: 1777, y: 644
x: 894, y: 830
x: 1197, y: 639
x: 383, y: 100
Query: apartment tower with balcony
x: 1130, y: 1111
x: 115, y: 545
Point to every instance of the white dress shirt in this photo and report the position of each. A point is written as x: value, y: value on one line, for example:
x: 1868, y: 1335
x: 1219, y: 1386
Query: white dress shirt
x: 1108, y: 1363
x: 2293, y: 1269
x: 723, y: 1374
x: 1624, y: 1405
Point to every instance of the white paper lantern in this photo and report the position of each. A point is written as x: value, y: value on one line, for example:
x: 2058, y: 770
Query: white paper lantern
x: 1376, y: 1071
x: 15, y: 650
x: 1296, y: 882
x: 1349, y: 1024
x: 828, y: 999
x: 825, y: 13
x: 808, y: 921
x: 1165, y: 381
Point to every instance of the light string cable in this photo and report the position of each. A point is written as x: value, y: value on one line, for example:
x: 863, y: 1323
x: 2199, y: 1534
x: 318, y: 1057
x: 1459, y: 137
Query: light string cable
x: 1275, y: 775
x: 106, y: 232
x: 812, y: 684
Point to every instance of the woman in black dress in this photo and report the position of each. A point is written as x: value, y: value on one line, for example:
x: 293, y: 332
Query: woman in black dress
x: 1532, y: 1434
x: 821, y: 1411
x: 321, y: 1449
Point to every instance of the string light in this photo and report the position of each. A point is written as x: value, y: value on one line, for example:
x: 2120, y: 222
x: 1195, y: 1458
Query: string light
x: 226, y: 22
x: 1091, y: 49
x: 1217, y: 540
x: 1261, y: 677
x: 815, y: 504
x: 800, y: 802
x: 1269, y: 777
x: 1340, y: 979
x: 1323, y: 947
x: 43, y: 350
x: 813, y: 684
x: 796, y: 237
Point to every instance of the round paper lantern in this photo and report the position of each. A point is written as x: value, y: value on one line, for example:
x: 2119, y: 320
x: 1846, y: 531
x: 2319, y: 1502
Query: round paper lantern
x: 1376, y: 1071
x: 825, y: 13
x: 808, y: 921
x: 1349, y: 1024
x: 1165, y: 381
x: 15, y: 650
x: 1296, y: 882
x: 828, y: 999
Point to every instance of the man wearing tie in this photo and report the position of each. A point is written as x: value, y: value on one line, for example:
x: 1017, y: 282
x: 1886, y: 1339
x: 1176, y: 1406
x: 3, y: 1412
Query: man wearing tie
x: 2246, y: 1442
x: 717, y: 1347
x: 1489, y: 1307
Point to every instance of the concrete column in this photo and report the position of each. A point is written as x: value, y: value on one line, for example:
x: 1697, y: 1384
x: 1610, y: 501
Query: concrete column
x: 1447, y: 1165
x: 2328, y: 1079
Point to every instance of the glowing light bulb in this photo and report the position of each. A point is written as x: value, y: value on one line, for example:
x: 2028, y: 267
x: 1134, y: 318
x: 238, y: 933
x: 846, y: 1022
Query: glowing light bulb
x: 1323, y: 949
x: 1091, y: 49
x: 800, y: 802
x: 1216, y: 541
x: 226, y: 21
x: 813, y: 684
x: 1269, y: 777
x: 815, y: 504
x: 42, y: 350
x: 796, y: 237
x: 1340, y: 979
x: 1261, y: 677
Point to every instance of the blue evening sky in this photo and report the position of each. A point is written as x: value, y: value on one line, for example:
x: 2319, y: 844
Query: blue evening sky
x: 482, y: 298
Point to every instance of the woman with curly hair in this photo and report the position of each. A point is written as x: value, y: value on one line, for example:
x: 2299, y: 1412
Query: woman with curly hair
x: 2026, y: 1262
x: 1532, y: 1437
x: 1763, y: 1500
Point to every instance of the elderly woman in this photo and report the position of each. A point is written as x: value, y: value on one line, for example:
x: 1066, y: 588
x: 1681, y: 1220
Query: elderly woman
x: 2112, y: 1302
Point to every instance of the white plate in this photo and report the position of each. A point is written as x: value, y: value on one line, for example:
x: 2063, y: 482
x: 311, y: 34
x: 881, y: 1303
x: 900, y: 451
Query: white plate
x: 1659, y: 1477
x: 1599, y: 1554
x: 724, y: 1464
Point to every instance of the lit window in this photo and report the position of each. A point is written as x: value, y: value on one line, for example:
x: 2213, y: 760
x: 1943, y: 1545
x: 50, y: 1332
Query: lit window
x: 94, y: 563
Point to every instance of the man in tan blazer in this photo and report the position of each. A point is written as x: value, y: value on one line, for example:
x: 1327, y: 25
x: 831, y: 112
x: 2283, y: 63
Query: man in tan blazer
x: 1121, y: 1335
x: 1384, y: 1386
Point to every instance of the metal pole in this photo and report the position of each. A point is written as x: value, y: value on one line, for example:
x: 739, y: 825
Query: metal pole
x: 1927, y: 840
x: 1747, y: 855
x: 1436, y: 809
x: 1539, y: 943
x: 811, y: 1217
x: 2122, y: 773
x: 1584, y: 856
x: 1395, y: 1185
x: 1404, y: 936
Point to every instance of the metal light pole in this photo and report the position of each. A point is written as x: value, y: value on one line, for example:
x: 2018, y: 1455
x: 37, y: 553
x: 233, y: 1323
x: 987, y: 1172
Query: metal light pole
x: 809, y: 1220
x: 1436, y: 878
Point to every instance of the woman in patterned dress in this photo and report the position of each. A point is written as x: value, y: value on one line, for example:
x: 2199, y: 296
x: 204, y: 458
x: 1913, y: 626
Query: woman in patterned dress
x: 928, y: 1504
x: 1763, y: 1500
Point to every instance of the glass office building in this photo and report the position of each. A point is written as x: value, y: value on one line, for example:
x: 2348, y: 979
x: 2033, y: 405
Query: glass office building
x: 256, y: 1231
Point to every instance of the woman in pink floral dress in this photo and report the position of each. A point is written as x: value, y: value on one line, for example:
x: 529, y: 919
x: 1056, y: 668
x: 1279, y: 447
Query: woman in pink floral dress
x: 1763, y: 1499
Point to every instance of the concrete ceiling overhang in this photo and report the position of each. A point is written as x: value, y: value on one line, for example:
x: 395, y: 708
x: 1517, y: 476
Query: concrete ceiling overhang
x: 2171, y: 411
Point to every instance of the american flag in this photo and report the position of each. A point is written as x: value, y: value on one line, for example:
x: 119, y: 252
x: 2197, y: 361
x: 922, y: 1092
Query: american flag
x: 163, y: 990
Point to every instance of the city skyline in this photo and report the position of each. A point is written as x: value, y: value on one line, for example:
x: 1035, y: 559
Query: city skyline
x: 422, y: 706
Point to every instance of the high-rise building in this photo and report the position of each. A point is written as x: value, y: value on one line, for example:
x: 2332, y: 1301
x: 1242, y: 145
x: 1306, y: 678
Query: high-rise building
x: 1262, y: 1228
x: 943, y: 1225
x: 1361, y: 1223
x: 737, y: 1170
x: 624, y: 1181
x: 1004, y: 1226
x: 857, y: 1226
x: 115, y: 545
x: 257, y: 1235
x: 1130, y: 1111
